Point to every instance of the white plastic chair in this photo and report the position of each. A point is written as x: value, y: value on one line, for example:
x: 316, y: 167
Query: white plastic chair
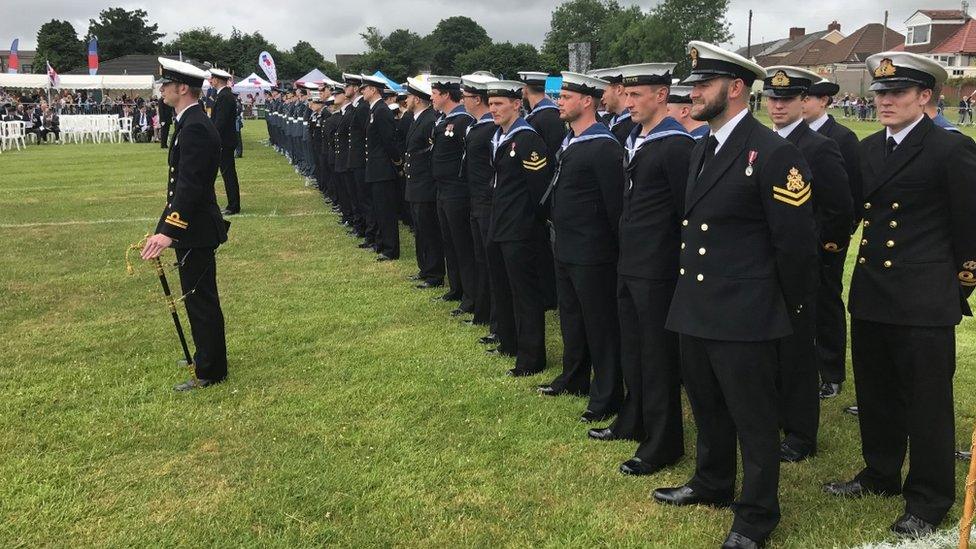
x: 125, y: 125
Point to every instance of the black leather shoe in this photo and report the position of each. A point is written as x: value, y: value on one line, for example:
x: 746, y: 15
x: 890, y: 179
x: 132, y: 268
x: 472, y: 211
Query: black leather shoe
x: 448, y: 297
x: 384, y: 257
x: 851, y: 410
x: 195, y: 383
x: 685, y: 495
x: 830, y: 390
x: 790, y: 455
x: 428, y: 284
x: 494, y: 351
x: 490, y: 339
x: 910, y: 526
x: 851, y: 489
x: 228, y: 211
x: 590, y: 416
x: 414, y: 278
x: 549, y: 390
x: 365, y: 245
x: 518, y: 372
x: 637, y: 467
x: 604, y: 434
x: 736, y: 540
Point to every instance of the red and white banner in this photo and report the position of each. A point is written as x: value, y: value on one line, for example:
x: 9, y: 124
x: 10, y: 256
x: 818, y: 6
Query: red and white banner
x: 267, y: 64
x: 52, y: 76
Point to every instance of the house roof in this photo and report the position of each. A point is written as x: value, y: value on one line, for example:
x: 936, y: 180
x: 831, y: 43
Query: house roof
x: 939, y: 15
x: 808, y: 55
x: 131, y: 64
x: 963, y: 41
x: 862, y: 43
x: 765, y: 48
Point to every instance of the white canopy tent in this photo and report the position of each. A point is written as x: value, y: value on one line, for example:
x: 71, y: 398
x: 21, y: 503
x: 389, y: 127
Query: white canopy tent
x: 23, y: 81
x: 252, y: 85
x: 79, y: 81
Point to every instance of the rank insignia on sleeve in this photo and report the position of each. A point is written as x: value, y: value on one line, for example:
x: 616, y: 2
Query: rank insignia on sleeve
x: 175, y: 220
x: 534, y: 162
x: 797, y: 190
x: 969, y: 265
x: 966, y: 278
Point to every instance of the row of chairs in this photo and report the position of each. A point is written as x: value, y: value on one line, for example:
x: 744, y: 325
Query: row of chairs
x: 12, y: 134
x: 95, y: 127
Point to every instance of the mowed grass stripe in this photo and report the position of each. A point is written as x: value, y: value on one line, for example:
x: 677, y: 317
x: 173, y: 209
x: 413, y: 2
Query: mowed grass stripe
x: 358, y: 413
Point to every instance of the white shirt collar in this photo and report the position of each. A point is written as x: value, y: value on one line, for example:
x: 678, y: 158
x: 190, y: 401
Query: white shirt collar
x: 374, y: 102
x: 900, y: 136
x: 818, y: 123
x: 725, y: 131
x: 416, y: 115
x: 785, y: 131
x: 356, y: 100
x: 179, y: 115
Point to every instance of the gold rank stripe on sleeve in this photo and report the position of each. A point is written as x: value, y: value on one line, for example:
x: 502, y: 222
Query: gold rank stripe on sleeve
x: 534, y: 165
x: 175, y: 220
x: 792, y: 198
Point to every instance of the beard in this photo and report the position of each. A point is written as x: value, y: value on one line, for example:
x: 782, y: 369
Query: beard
x: 712, y: 110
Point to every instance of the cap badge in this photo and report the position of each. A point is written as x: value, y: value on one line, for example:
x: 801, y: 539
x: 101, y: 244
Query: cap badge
x: 886, y: 68
x: 780, y: 79
x: 694, y: 57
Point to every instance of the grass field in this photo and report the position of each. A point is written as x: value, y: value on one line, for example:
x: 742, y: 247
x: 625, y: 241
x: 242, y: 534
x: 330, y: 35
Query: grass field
x: 357, y: 412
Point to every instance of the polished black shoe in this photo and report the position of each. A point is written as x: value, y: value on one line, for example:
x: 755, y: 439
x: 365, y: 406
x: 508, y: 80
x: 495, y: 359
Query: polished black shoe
x: 590, y: 416
x: 518, y: 372
x: 851, y: 410
x: 910, y: 526
x: 851, y: 489
x: 448, y: 297
x: 428, y: 284
x: 601, y: 434
x: 736, y: 540
x: 685, y: 495
x: 384, y: 257
x: 830, y: 390
x: 365, y: 245
x: 789, y: 454
x: 549, y: 390
x: 195, y: 383
x: 228, y: 211
x: 490, y: 339
x: 637, y: 467
x: 414, y: 278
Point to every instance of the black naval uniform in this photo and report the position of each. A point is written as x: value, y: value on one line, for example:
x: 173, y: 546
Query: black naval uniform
x: 224, y: 116
x: 329, y: 123
x: 831, y: 316
x: 799, y: 367
x: 421, y: 193
x: 517, y: 219
x: 404, y: 121
x: 915, y: 269
x: 621, y: 125
x: 453, y: 205
x: 587, y: 198
x: 344, y: 180
x: 382, y: 164
x: 544, y: 118
x: 165, y: 121
x: 192, y: 219
x: 650, y: 240
x: 357, y: 167
x: 748, y: 263
x: 478, y: 173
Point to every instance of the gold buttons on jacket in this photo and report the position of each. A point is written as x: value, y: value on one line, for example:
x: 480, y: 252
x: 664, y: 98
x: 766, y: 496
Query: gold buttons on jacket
x: 700, y: 277
x: 831, y: 247
x: 684, y: 223
x: 890, y: 243
x: 704, y: 226
x: 682, y: 245
x: 895, y: 206
x: 867, y: 223
x: 171, y: 180
x: 864, y: 242
x: 887, y: 263
x: 681, y: 270
x: 867, y: 205
x: 171, y: 169
x: 171, y: 193
x: 861, y: 260
x: 893, y: 224
x: 701, y: 251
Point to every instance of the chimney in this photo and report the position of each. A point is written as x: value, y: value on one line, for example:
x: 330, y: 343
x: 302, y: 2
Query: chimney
x: 835, y: 26
x: 797, y: 32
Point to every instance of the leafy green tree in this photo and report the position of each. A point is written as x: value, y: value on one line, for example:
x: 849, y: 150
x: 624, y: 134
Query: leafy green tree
x: 452, y: 36
x: 576, y: 21
x: 201, y: 44
x: 680, y: 21
x: 504, y: 59
x: 121, y: 32
x: 58, y: 43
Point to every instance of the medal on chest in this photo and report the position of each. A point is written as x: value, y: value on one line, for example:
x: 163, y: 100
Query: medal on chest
x: 449, y: 130
x: 512, y: 151
x: 752, y: 160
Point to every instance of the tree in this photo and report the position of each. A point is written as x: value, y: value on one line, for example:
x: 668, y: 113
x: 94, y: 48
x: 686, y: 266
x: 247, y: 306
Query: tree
x: 58, y: 44
x: 452, y: 36
x: 200, y: 44
x: 680, y: 21
x: 401, y: 54
x: 503, y: 59
x: 576, y: 21
x: 614, y: 49
x: 122, y: 32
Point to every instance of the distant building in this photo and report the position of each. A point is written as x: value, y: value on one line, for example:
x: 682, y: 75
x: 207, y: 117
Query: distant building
x: 790, y: 50
x: 26, y: 58
x: 948, y: 36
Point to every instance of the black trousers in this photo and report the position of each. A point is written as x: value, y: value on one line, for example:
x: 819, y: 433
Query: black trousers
x: 831, y: 318
x: 904, y: 399
x: 591, y: 334
x: 546, y: 266
x: 228, y: 170
x: 367, y: 210
x: 430, y: 248
x: 342, y: 197
x: 483, y: 313
x: 164, y: 134
x: 455, y: 220
x: 651, y: 365
x: 239, y: 150
x: 198, y: 280
x: 519, y: 309
x: 731, y: 386
x: 798, y: 383
x: 354, y: 205
x: 403, y: 207
x: 385, y: 206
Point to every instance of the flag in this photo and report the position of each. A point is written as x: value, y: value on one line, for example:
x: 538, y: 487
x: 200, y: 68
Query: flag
x: 93, y: 56
x: 267, y: 64
x: 53, y: 79
x: 13, y: 63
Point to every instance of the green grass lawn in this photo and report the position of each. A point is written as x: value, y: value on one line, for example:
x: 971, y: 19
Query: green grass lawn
x: 357, y: 411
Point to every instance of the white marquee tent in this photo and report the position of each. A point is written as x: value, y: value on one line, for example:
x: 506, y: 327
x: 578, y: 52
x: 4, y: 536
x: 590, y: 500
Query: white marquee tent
x: 79, y: 81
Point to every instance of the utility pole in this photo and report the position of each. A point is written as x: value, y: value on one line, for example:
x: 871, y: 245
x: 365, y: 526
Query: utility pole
x: 884, y: 33
x: 749, y: 38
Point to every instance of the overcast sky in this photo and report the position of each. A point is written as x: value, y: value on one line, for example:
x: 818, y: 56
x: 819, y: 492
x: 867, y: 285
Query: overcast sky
x: 332, y: 31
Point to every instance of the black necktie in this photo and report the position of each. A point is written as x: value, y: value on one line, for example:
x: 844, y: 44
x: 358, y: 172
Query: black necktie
x: 710, y: 144
x: 890, y: 146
